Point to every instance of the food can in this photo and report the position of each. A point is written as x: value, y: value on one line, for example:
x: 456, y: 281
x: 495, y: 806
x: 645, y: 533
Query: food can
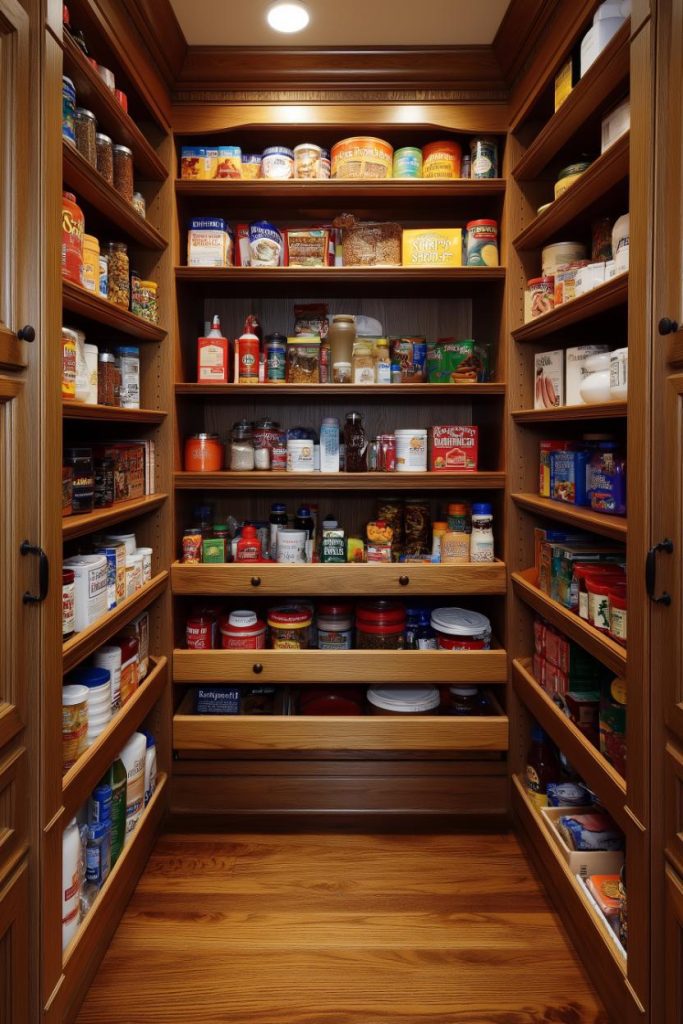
x: 68, y: 597
x: 69, y: 342
x: 243, y: 631
x: 482, y: 243
x: 90, y: 588
x: 442, y: 159
x: 278, y: 457
x: 276, y: 358
x: 103, y: 284
x: 73, y: 230
x: 308, y: 161
x: 251, y: 166
x: 277, y: 163
x: 362, y: 156
x: 408, y: 162
x: 484, y: 158
x: 559, y: 253
x: 411, y: 451
x: 200, y: 633
x: 91, y: 263
x: 68, y: 110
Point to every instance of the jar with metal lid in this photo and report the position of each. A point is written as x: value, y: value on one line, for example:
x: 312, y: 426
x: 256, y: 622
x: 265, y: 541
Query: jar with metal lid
x: 144, y: 300
x: 123, y: 172
x: 108, y: 379
x: 465, y: 700
x: 242, y: 457
x: 105, y: 157
x: 380, y: 625
x: 203, y: 454
x: 68, y: 597
x: 139, y: 204
x: 83, y: 493
x: 85, y: 127
x: 119, y: 274
x: 290, y: 627
x: 404, y: 700
x: 69, y: 342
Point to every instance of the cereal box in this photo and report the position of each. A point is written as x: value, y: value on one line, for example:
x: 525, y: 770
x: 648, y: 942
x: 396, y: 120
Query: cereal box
x: 432, y: 247
x: 454, y: 448
x: 229, y: 163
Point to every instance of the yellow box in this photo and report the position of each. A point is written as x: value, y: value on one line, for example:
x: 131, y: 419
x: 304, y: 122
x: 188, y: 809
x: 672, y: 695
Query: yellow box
x: 432, y: 247
x: 564, y: 83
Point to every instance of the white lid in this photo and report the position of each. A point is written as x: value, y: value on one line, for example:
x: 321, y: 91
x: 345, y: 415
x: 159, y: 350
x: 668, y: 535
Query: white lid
x: 94, y: 561
x: 404, y: 698
x: 95, y: 693
x: 74, y: 694
x: 121, y: 536
x: 410, y: 432
x: 598, y: 362
x: 613, y: 9
x: 144, y: 551
x: 105, y: 654
x: 134, y: 557
x: 101, y: 718
x: 242, y: 619
x: 460, y: 622
x: 464, y: 691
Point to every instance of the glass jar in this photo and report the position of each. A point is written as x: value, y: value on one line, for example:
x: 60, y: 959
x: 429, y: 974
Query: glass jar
x: 105, y: 157
x: 123, y: 172
x: 85, y: 126
x: 363, y: 363
x: 355, y: 444
x: 465, y: 700
x: 139, y: 204
x: 335, y: 627
x: 83, y: 486
x: 290, y: 627
x: 266, y: 434
x: 481, y: 540
x: 108, y: 380
x: 380, y: 625
x: 119, y: 274
x: 303, y: 360
x: 144, y: 300
x: 203, y: 454
x: 242, y: 447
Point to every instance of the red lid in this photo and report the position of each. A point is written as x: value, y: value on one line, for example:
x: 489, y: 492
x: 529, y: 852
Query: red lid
x: 69, y: 196
x: 482, y: 224
x: 381, y: 628
x: 68, y: 576
x: 335, y: 609
x: 248, y: 533
x: 289, y: 616
x: 381, y: 613
x: 547, y: 278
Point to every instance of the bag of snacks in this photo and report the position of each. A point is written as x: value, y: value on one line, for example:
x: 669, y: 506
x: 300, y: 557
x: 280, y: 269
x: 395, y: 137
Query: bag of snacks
x: 450, y: 361
x: 311, y: 319
x: 368, y: 243
x: 307, y: 247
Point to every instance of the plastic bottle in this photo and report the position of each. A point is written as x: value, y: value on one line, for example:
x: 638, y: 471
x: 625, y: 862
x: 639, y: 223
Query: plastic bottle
x: 341, y: 336
x: 71, y: 881
x: 118, y: 780
x: 438, y: 531
x: 542, y: 767
x: 424, y: 636
x: 481, y: 541
x: 303, y: 520
x: 382, y: 361
x: 133, y: 757
x: 150, y: 767
x: 248, y: 545
x: 329, y: 445
x: 278, y: 520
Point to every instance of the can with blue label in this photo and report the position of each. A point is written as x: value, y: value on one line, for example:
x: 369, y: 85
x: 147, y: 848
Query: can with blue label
x: 408, y: 162
x: 68, y: 110
x: 276, y: 358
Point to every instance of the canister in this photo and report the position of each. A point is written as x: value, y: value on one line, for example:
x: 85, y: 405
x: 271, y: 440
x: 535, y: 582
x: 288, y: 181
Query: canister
x: 68, y: 110
x: 484, y: 158
x: 300, y: 456
x: 380, y: 625
x: 289, y: 626
x: 97, y: 682
x: 277, y: 163
x: 307, y: 160
x: 442, y: 159
x: 69, y: 343
x: 74, y: 723
x: 276, y: 358
x: 482, y: 243
x: 248, y: 352
x: 291, y: 545
x: 73, y: 229
x: 109, y: 658
x: 458, y: 629
x: 203, y: 453
x: 618, y: 375
x: 362, y: 156
x: 559, y: 253
x: 90, y: 588
x: 408, y: 162
x: 335, y: 627
x: 133, y: 573
x: 404, y: 700
x: 91, y: 263
x: 411, y: 451
x: 243, y: 631
x: 146, y: 555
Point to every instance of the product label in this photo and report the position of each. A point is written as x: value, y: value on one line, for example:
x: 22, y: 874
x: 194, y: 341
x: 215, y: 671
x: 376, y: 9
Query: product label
x: 333, y: 640
x: 598, y: 611
x: 68, y: 608
x: 618, y: 619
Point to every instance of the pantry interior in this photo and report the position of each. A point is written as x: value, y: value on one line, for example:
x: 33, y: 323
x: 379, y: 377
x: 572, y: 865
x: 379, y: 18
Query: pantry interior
x: 470, y: 770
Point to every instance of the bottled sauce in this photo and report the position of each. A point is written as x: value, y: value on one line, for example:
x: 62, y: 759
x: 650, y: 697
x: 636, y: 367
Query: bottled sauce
x: 542, y: 767
x: 212, y: 356
x: 382, y: 361
x: 355, y: 444
x: 481, y: 541
x: 117, y: 778
x: 249, y: 545
x: 278, y: 521
x: 304, y: 521
x: 341, y: 337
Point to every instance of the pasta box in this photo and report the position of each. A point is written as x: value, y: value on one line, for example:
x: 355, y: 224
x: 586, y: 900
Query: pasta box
x: 432, y: 247
x: 454, y: 448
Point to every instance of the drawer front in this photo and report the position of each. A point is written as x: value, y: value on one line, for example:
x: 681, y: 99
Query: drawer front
x: 673, y: 946
x: 14, y: 949
x: 13, y: 805
x: 673, y: 804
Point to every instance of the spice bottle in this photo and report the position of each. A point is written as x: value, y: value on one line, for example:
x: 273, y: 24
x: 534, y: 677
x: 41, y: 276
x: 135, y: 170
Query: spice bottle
x: 108, y: 379
x: 355, y: 444
x: 481, y: 542
x: 249, y: 545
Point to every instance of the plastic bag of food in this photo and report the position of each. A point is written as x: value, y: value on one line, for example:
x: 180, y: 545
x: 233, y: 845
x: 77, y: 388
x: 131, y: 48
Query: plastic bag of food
x: 369, y: 243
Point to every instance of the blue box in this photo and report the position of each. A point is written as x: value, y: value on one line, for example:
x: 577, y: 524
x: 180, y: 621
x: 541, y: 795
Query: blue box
x: 217, y: 700
x: 568, y: 477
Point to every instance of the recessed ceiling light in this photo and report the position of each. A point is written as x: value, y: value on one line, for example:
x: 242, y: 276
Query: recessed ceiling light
x: 288, y: 16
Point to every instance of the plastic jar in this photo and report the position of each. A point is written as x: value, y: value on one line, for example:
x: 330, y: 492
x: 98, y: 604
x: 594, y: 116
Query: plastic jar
x: 74, y: 723
x: 68, y: 110
x: 108, y: 379
x: 483, y: 158
x: 598, y: 586
x: 123, y: 172
x: 291, y: 546
x: 127, y: 539
x: 105, y: 157
x: 458, y: 629
x: 71, y: 885
x: 411, y: 451
x: 73, y: 229
x: 139, y: 204
x: 618, y: 375
x: 68, y: 621
x: 308, y: 161
x: 145, y: 302
x: 464, y: 700
x: 595, y: 388
x: 90, y: 588
x: 380, y: 625
x: 242, y: 451
x: 200, y: 633
x: 83, y: 483
x: 618, y: 613
x: 118, y: 280
x: 300, y: 456
x: 481, y: 538
x: 277, y: 163
x: 109, y: 658
x: 290, y: 627
x: 243, y: 631
x: 69, y: 344
x: 482, y: 243
x: 133, y: 574
x: 98, y: 684
x: 404, y: 700
x: 442, y: 159
x: 128, y: 363
x: 85, y: 127
x: 334, y: 623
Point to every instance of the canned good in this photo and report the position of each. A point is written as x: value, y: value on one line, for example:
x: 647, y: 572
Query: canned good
x: 69, y: 342
x: 307, y: 161
x: 200, y: 633
x: 484, y: 158
x: 277, y: 163
x: 408, y: 162
x: 482, y: 243
x: 362, y: 157
x: 442, y: 159
x: 458, y: 629
x: 73, y: 229
x: 68, y: 597
x: 290, y: 627
x: 91, y: 263
x: 276, y: 358
x: 68, y: 110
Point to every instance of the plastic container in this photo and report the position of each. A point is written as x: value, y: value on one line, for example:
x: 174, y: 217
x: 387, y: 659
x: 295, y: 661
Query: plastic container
x: 464, y: 700
x: 618, y: 375
x: 458, y: 629
x: 300, y: 456
x: 203, y: 454
x: 303, y: 360
x: 242, y: 449
x: 276, y: 358
x: 74, y: 723
x: 277, y: 163
x: 90, y: 588
x: 618, y: 613
x: 68, y: 621
x: 69, y: 347
x: 248, y: 548
x: 341, y: 336
x: 308, y: 161
x: 542, y: 767
x: 380, y: 625
x: 404, y: 700
x: 91, y: 263
x: 607, y: 21
x: 407, y: 162
x: 442, y: 159
x: 362, y: 156
x: 290, y: 627
x: 331, y: 700
x: 68, y: 110
x: 71, y: 882
x: 150, y: 767
x: 606, y: 479
x: 243, y: 631
x: 620, y: 243
x: 97, y: 853
x: 109, y: 658
x: 334, y: 623
x: 539, y: 297
x: 291, y: 546
x: 200, y: 633
x: 118, y: 279
x: 116, y: 778
x: 130, y: 676
x: 411, y: 451
x: 98, y: 684
x: 481, y: 540
x: 133, y: 758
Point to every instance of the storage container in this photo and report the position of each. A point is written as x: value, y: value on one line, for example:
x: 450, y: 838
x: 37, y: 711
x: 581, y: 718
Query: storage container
x: 362, y: 157
x: 243, y: 631
x: 442, y: 159
x: 404, y: 700
x: 380, y: 625
x: 458, y: 629
x: 289, y: 626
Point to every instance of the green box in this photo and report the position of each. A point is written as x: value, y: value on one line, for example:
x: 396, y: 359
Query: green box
x: 213, y: 549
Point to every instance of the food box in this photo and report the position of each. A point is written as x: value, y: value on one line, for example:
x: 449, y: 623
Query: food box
x: 568, y: 477
x: 208, y: 243
x: 581, y: 862
x: 453, y: 361
x: 453, y: 448
x: 307, y: 247
x: 432, y: 247
x: 238, y: 700
x: 549, y: 379
x: 198, y: 163
x: 545, y: 450
x: 576, y: 372
x: 369, y: 244
x: 229, y: 162
x: 615, y: 124
x: 129, y: 468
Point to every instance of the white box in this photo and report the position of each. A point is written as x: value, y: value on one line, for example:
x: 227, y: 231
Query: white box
x: 615, y: 124
x: 607, y: 21
x: 575, y: 371
x: 581, y: 862
x: 549, y: 379
x: 589, y: 277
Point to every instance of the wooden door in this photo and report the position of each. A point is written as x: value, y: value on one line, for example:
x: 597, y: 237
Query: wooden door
x: 673, y: 923
x: 14, y: 949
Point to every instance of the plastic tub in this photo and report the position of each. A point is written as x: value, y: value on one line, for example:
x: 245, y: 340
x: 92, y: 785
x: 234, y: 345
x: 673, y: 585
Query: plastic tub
x: 335, y: 627
x: 404, y: 700
x: 442, y: 159
x: 458, y: 629
x: 559, y: 253
x: 243, y: 631
x: 411, y: 451
x: 380, y: 625
x: 290, y: 627
x: 74, y: 723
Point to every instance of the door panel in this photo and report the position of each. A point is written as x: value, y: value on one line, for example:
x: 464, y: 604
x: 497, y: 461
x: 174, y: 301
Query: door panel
x: 14, y: 977
x: 673, y: 914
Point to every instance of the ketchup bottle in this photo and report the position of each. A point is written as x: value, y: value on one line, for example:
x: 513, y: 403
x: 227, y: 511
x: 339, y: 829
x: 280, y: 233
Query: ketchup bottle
x: 248, y: 546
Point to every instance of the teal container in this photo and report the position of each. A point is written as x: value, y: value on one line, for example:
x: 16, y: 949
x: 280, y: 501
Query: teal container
x: 408, y: 162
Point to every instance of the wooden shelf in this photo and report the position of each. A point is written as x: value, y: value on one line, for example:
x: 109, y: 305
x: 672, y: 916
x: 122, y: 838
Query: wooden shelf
x: 88, y: 640
x: 583, y: 518
x: 93, y: 307
x: 603, y: 174
x: 341, y: 733
x: 267, y: 481
x: 100, y: 924
x: 347, y: 667
x: 315, y: 191
x: 82, y: 778
x: 607, y: 296
x: 92, y: 93
x: 589, y: 95
x: 349, y: 275
x: 304, y: 391
x: 593, y: 768
x: 569, y: 413
x: 89, y: 185
x: 79, y: 526
x: 111, y: 413
x: 591, y: 639
x: 268, y: 579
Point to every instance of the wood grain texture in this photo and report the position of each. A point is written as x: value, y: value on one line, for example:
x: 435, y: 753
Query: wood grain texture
x: 308, y: 391
x: 607, y: 296
x: 316, y: 192
x: 94, y: 307
x: 615, y: 527
x: 111, y: 413
x: 257, y: 480
x: 569, y: 413
x: 353, y: 929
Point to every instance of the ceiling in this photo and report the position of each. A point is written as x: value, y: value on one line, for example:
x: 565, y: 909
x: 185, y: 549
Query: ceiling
x: 347, y: 23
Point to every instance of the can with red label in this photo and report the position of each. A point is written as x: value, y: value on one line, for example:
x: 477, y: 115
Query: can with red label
x: 248, y: 351
x: 73, y: 228
x: 200, y: 633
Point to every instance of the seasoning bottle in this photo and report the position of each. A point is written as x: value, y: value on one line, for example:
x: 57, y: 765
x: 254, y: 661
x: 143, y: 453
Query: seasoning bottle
x: 117, y: 778
x: 278, y: 521
x: 242, y: 447
x: 438, y: 531
x: 355, y: 444
x: 212, y: 356
x: 249, y: 545
x: 303, y: 520
x: 108, y: 379
x: 481, y: 542
x: 542, y: 767
x: 382, y: 361
x: 341, y: 336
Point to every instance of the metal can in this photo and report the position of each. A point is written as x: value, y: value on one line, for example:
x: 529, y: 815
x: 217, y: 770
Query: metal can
x: 484, y: 158
x: 278, y: 456
x: 200, y: 633
x: 68, y: 110
x: 69, y: 341
x: 408, y: 162
x: 73, y: 229
x: 68, y: 608
x: 482, y: 243
x: 276, y: 358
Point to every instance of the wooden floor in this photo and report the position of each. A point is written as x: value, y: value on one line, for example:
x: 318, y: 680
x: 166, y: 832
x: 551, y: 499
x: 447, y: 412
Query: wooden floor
x: 333, y: 928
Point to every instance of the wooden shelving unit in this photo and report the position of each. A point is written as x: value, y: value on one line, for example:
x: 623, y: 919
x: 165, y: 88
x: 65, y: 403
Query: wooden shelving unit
x: 614, y: 527
x: 111, y: 413
x: 93, y: 307
x: 570, y: 413
x: 315, y: 191
x: 267, y: 481
x: 302, y: 276
x: 601, y: 299
x: 79, y: 526
x: 188, y: 389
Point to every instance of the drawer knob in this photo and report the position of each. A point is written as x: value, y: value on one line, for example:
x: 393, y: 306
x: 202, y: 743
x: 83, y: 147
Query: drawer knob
x: 667, y: 325
x: 404, y: 580
x: 26, y: 333
x: 257, y: 668
x: 256, y: 581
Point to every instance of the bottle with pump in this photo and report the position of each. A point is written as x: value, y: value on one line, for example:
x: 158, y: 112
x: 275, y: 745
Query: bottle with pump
x: 213, y: 364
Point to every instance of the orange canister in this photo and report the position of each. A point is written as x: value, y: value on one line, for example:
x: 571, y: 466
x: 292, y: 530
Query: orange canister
x: 73, y: 229
x: 203, y: 453
x: 442, y: 159
x: 362, y: 156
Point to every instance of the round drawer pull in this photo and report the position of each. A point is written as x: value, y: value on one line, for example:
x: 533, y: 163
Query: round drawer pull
x: 404, y: 580
x: 257, y: 668
x: 256, y: 581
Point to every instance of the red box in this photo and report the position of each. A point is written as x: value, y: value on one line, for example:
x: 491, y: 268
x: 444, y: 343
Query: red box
x: 129, y: 468
x: 454, y: 449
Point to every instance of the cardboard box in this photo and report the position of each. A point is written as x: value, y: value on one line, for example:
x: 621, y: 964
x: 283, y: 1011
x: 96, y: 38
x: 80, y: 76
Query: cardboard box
x: 544, y: 450
x: 432, y: 247
x: 549, y: 379
x: 615, y: 124
x: 568, y: 477
x: 129, y: 468
x: 454, y: 448
x: 208, y: 243
x: 576, y: 372
x: 581, y: 862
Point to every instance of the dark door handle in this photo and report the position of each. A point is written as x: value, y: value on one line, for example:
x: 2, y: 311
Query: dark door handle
x: 256, y: 581
x: 667, y: 546
x: 404, y: 580
x: 667, y: 325
x: 43, y: 573
x: 26, y: 333
x: 257, y: 668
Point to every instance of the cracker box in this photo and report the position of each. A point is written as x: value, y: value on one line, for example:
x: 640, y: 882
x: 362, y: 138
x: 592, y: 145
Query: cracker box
x: 454, y: 448
x: 549, y: 379
x: 229, y: 163
x: 432, y: 247
x: 208, y: 243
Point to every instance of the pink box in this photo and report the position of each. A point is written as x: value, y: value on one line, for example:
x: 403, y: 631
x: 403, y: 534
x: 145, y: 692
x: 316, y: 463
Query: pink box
x: 454, y: 448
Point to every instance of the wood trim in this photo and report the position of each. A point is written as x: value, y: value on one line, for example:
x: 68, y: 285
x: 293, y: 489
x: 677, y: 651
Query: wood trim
x: 89, y: 522
x: 10, y: 388
x: 92, y: 306
x: 73, y: 410
x: 599, y: 300
x: 583, y: 518
x: 569, y: 413
x: 523, y: 25
x: 12, y: 351
x: 449, y: 392
x: 264, y: 480
x: 312, y: 192
x: 157, y: 24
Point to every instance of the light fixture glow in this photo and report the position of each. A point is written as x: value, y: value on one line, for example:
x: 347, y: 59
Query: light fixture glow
x: 288, y: 16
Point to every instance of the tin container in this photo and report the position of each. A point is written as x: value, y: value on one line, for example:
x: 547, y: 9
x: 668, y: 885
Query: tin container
x: 68, y: 110
x: 482, y: 243
x: 69, y: 342
x: 200, y: 633
x: 90, y: 588
x: 73, y: 229
x: 277, y: 163
x: 362, y: 156
x: 276, y: 358
x: 243, y: 631
x: 484, y: 158
x: 408, y: 162
x: 442, y: 159
x: 308, y: 161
